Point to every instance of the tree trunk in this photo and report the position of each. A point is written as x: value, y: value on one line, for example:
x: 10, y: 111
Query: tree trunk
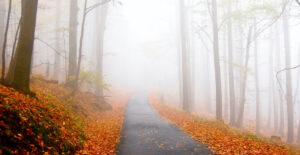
x: 48, y: 69
x: 208, y: 84
x: 57, y: 61
x: 14, y: 46
x: 257, y: 90
x: 278, y: 67
x: 15, y: 41
x: 185, y: 60
x: 20, y: 71
x: 298, y: 137
x: 272, y: 88
x: 2, y: 24
x: 244, y: 82
x: 101, y: 21
x: 216, y: 61
x: 72, y: 42
x: 230, y: 70
x: 80, y: 48
x: 5, y: 41
x: 289, y: 97
x: 269, y: 111
x: 225, y: 81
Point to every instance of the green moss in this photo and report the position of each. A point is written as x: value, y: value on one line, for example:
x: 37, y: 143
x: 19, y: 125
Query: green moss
x: 252, y: 136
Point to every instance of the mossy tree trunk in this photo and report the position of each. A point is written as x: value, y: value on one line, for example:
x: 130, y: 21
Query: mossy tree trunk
x: 19, y: 72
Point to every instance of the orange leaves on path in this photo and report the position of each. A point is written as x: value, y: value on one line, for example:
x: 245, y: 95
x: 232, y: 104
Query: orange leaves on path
x: 219, y: 137
x: 103, y: 135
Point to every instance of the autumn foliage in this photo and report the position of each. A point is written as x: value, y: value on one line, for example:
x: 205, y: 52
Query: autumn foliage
x: 103, y: 134
x: 41, y: 124
x: 219, y: 137
x: 54, y: 122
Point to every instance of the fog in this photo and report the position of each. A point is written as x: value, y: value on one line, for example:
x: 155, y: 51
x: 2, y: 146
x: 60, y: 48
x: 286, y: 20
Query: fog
x: 166, y: 48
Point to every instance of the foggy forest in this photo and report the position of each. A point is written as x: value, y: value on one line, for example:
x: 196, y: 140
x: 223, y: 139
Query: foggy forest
x: 139, y: 77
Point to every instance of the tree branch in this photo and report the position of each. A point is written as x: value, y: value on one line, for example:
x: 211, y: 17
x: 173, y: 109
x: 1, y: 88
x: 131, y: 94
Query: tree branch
x: 95, y: 6
x: 43, y: 63
x: 285, y: 69
x: 55, y: 50
x: 298, y: 1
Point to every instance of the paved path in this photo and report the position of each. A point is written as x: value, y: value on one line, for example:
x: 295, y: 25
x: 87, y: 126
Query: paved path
x: 146, y: 133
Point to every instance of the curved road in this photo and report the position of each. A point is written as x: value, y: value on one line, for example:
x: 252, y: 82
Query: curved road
x: 146, y: 133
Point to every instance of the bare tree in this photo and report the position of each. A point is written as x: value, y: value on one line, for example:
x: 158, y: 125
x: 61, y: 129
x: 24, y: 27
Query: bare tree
x: 72, y: 42
x: 2, y: 24
x: 5, y: 41
x: 19, y: 77
x: 279, y: 93
x: 57, y: 60
x: 230, y: 68
x: 217, y: 61
x: 86, y: 10
x: 257, y: 89
x: 272, y: 89
x: 289, y: 97
x: 101, y: 21
x: 186, y: 89
x: 244, y: 81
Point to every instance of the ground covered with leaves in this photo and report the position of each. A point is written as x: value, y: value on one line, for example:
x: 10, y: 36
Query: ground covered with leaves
x: 104, y: 132
x: 54, y: 122
x: 220, y: 138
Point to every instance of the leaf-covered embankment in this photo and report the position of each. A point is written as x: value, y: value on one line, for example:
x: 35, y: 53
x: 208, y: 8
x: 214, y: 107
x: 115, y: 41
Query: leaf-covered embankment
x: 219, y: 137
x: 37, y: 125
x: 54, y: 122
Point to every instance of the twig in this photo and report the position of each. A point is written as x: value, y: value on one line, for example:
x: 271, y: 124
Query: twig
x: 298, y: 2
x: 44, y: 63
x: 55, y: 50
x: 95, y: 6
x: 285, y: 69
x: 15, y: 41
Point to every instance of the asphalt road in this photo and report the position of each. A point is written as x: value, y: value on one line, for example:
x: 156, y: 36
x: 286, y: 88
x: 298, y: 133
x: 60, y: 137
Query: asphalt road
x: 145, y: 132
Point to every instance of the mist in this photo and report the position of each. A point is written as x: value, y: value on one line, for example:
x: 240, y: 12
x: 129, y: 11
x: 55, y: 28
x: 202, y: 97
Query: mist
x: 234, y: 61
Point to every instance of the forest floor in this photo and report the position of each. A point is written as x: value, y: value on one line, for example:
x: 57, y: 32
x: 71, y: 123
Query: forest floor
x: 219, y: 137
x: 145, y: 132
x: 54, y: 122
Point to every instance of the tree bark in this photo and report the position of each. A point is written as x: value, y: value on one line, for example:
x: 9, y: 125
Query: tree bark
x: 230, y: 70
x: 20, y: 71
x: 257, y: 90
x: 5, y: 41
x: 100, y: 29
x: 80, y: 48
x: 186, y: 92
x: 298, y: 137
x: 72, y: 65
x: 57, y: 58
x: 289, y: 97
x: 2, y: 24
x: 244, y: 82
x: 217, y: 61
x: 226, y: 109
x: 272, y: 88
x: 278, y: 67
